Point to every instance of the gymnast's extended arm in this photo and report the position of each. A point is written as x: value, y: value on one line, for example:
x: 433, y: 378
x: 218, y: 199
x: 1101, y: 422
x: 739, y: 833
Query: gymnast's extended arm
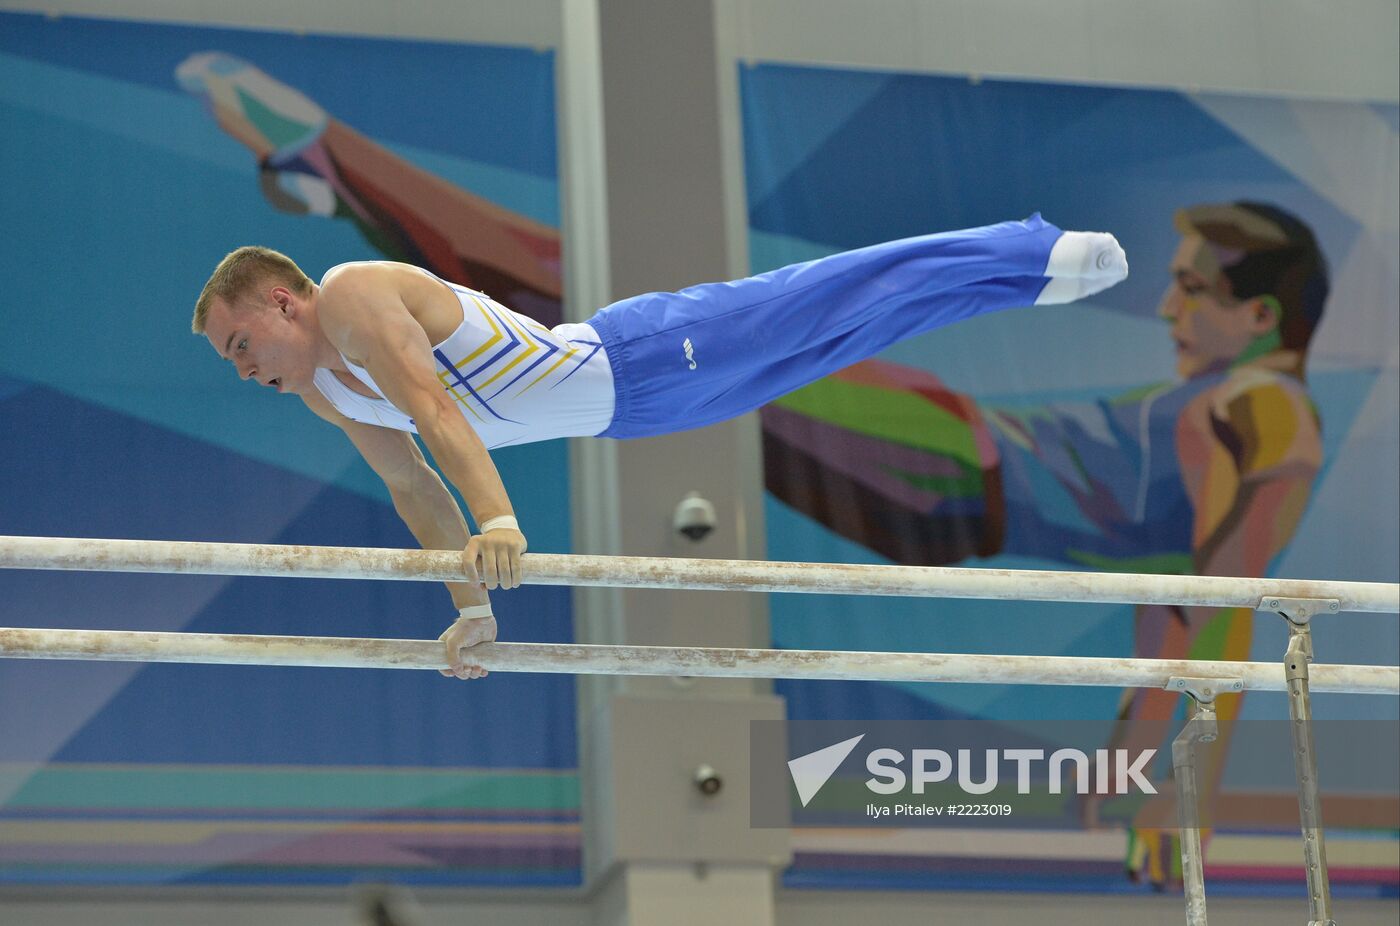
x: 364, y: 315
x: 430, y: 512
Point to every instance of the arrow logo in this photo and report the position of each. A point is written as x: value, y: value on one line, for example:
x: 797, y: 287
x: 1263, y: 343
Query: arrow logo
x: 812, y: 771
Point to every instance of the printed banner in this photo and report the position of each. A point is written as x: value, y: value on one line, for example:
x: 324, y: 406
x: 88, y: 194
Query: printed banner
x: 135, y: 156
x: 1230, y: 409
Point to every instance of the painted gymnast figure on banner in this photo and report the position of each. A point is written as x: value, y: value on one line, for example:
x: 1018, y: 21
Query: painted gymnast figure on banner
x: 1208, y: 474
x: 312, y: 164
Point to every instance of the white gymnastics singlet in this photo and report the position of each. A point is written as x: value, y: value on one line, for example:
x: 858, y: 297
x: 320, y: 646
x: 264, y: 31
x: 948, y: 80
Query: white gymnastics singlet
x: 514, y: 380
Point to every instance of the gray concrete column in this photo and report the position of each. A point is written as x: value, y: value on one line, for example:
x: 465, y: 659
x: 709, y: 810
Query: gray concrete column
x: 655, y: 191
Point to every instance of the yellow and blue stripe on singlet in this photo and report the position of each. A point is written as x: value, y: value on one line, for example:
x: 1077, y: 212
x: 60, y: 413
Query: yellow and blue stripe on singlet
x: 511, y: 342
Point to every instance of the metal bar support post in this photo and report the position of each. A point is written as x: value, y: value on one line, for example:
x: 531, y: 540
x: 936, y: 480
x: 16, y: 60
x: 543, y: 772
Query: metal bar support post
x: 1200, y: 728
x: 1298, y: 612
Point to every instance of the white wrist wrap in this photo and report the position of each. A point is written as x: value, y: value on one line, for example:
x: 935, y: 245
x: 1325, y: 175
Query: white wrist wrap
x: 505, y: 520
x: 476, y: 610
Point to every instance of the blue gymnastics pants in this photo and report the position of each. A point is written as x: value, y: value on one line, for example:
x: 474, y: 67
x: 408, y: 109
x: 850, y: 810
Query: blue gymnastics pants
x: 715, y: 351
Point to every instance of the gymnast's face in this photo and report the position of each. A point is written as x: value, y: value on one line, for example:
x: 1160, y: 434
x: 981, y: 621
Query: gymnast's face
x: 265, y: 340
x: 1211, y: 329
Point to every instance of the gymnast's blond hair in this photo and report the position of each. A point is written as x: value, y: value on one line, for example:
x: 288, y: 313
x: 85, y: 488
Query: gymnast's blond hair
x: 243, y: 270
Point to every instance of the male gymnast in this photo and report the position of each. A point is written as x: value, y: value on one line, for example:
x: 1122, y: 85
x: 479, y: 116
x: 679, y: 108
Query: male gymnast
x: 384, y: 350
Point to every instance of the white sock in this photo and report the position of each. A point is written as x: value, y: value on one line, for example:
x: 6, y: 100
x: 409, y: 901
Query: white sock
x: 1082, y: 264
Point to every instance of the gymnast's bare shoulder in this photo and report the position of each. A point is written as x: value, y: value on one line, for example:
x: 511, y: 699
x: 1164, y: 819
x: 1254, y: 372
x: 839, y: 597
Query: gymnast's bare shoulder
x: 380, y: 293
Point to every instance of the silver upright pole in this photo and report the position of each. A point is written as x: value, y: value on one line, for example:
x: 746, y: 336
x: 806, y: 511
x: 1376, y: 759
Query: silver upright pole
x: 1298, y: 612
x: 1201, y: 728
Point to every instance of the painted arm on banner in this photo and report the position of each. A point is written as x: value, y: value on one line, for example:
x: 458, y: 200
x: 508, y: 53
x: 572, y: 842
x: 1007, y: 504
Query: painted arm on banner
x: 363, y: 313
x: 1253, y: 457
x: 431, y: 514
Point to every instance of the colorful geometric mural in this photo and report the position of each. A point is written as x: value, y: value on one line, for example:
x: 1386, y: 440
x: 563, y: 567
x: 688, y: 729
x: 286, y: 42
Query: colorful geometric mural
x: 135, y: 157
x: 1230, y: 409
